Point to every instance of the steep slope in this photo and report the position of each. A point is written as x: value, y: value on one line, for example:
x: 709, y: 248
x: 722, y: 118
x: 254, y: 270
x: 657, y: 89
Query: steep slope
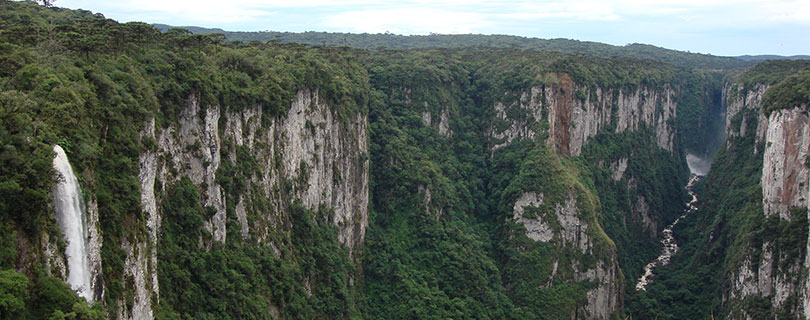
x: 771, y: 275
x: 231, y: 180
x: 218, y: 175
x: 746, y: 249
x: 462, y: 141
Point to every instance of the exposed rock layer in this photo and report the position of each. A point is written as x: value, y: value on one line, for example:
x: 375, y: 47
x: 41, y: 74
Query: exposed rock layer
x: 310, y: 154
x: 785, y: 135
x: 573, y: 114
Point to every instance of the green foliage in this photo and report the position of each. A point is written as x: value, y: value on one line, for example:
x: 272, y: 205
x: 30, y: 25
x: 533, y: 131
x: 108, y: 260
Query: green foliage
x: 44, y: 298
x: 792, y: 92
x: 427, y: 260
x: 248, y: 280
x: 13, y: 294
x: 772, y: 72
x: 8, y: 252
x: 787, y: 238
x: 89, y: 84
x: 712, y: 242
x: 52, y: 298
x: 434, y: 41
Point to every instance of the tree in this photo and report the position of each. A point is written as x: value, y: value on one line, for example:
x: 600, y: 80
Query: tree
x: 13, y: 291
x: 48, y: 3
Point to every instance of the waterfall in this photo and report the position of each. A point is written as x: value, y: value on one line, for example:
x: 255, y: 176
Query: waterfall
x: 70, y: 215
x: 697, y: 165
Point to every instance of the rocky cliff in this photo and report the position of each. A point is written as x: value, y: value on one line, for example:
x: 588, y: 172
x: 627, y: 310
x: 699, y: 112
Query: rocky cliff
x: 308, y: 154
x: 771, y: 272
x: 571, y: 114
x: 567, y: 226
x: 267, y: 180
x: 566, y: 116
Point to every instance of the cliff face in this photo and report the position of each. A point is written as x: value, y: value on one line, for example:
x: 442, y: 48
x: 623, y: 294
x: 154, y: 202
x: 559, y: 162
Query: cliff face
x: 308, y: 154
x: 566, y: 116
x: 783, y: 140
x: 736, y: 103
x: 572, y: 114
x: 785, y: 167
x: 567, y: 227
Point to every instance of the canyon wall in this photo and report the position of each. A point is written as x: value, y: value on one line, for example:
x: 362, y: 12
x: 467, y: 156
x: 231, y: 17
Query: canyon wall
x: 566, y: 116
x: 309, y: 155
x: 782, y: 140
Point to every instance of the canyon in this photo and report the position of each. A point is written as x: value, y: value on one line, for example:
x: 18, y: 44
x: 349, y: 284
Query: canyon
x: 196, y: 178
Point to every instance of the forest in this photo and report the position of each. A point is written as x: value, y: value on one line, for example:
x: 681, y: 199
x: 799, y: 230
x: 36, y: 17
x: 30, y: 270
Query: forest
x: 442, y: 241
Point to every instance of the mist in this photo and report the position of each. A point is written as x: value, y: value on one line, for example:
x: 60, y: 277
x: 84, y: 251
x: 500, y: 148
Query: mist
x: 697, y: 165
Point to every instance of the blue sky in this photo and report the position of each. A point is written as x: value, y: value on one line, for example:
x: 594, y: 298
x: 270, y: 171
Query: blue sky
x: 718, y: 27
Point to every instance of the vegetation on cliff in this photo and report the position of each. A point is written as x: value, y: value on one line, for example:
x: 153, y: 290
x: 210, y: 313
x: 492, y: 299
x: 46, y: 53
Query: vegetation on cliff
x: 89, y: 84
x: 442, y: 241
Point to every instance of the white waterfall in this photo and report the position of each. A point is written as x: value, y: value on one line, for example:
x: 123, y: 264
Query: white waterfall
x: 70, y: 215
x: 697, y: 165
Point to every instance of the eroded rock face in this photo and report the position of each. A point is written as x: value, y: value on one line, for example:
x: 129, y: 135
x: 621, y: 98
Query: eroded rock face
x: 618, y: 169
x: 309, y: 155
x: 335, y: 156
x: 784, y: 183
x: 571, y: 114
x: 536, y: 228
x: 506, y: 128
x: 142, y: 256
x: 641, y: 216
x: 736, y: 99
x: 94, y: 241
x: 192, y: 149
x: 785, y: 179
x: 784, y: 169
x: 566, y: 228
x: 605, y: 298
x: 443, y: 125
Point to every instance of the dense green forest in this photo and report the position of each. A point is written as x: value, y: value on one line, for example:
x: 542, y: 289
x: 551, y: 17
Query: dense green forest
x: 731, y: 224
x: 88, y: 83
x: 433, y: 41
x: 442, y: 242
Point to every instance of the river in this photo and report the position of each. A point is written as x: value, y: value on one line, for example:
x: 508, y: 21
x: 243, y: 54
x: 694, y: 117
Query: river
x: 668, y: 245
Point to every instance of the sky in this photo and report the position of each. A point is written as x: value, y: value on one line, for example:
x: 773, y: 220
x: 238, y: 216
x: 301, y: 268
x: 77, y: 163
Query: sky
x: 718, y: 27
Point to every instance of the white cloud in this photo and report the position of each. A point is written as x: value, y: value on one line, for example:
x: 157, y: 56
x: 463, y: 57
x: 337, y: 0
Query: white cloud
x: 207, y: 11
x: 576, y: 10
x: 406, y: 21
x: 681, y: 23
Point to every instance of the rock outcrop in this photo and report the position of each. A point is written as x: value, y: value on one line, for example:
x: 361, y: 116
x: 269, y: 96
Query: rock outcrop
x: 571, y: 114
x: 738, y: 99
x: 566, y: 228
x: 443, y: 125
x: 310, y: 155
x: 565, y: 116
x: 784, y: 169
x: 784, y: 183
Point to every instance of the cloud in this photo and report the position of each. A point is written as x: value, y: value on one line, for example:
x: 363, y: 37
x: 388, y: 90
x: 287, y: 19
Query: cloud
x: 406, y: 21
x: 205, y: 11
x: 573, y: 10
x: 695, y: 25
